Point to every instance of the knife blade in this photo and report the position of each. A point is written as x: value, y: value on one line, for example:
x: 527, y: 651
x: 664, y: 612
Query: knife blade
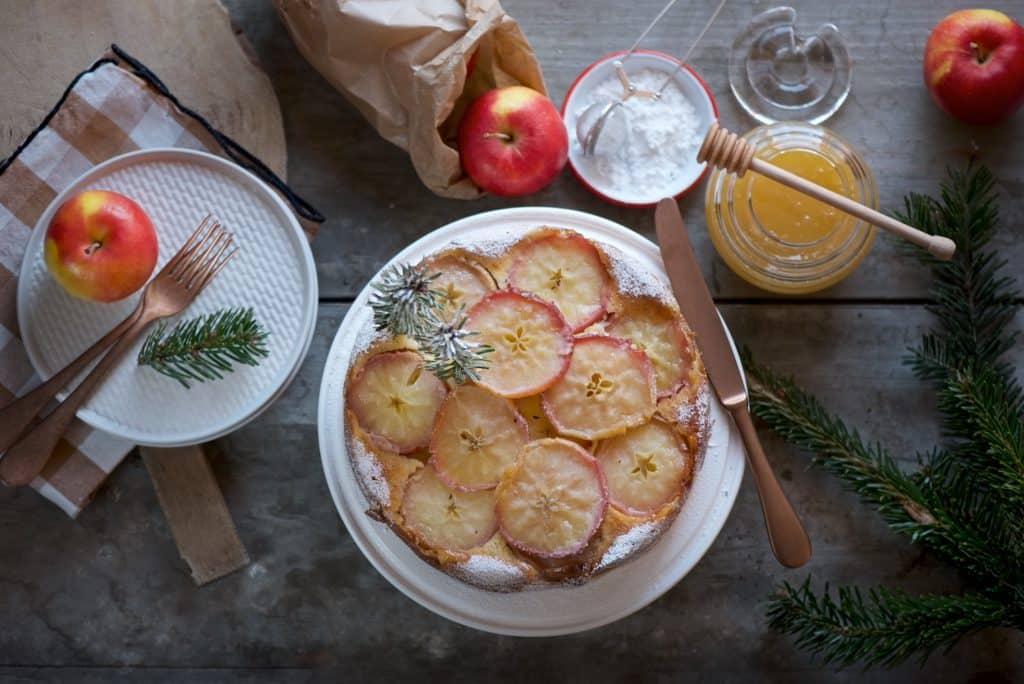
x: 697, y: 305
x: 786, y: 534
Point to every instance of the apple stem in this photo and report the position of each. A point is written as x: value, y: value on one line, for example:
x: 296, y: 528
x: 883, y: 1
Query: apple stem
x: 504, y: 137
x: 93, y: 246
x: 980, y: 55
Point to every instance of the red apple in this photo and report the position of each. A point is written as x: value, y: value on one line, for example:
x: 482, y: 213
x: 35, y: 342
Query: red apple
x: 512, y: 141
x: 974, y: 65
x: 100, y: 246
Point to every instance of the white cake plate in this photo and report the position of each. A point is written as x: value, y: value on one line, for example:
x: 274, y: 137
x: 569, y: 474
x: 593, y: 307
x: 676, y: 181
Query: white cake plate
x: 550, y: 610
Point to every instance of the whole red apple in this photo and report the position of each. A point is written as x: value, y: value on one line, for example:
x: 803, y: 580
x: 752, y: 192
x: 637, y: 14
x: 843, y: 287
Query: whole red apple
x: 100, y: 246
x: 512, y: 141
x: 974, y: 65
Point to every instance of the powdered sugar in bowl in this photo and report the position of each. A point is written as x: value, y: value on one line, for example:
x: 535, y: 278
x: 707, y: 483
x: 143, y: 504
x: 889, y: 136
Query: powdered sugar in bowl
x: 653, y: 155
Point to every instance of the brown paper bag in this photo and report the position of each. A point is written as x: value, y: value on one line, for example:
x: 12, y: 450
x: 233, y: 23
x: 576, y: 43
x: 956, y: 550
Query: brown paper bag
x: 403, y: 64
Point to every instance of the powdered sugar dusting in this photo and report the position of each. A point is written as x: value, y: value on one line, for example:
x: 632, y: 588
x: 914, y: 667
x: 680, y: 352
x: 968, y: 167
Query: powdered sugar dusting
x: 493, y: 247
x: 697, y: 412
x: 491, y: 573
x: 634, y: 280
x: 629, y: 543
x: 366, y: 465
x: 366, y: 336
x: 369, y: 473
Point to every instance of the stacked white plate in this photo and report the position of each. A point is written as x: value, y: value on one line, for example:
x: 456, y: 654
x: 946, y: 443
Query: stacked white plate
x: 273, y: 273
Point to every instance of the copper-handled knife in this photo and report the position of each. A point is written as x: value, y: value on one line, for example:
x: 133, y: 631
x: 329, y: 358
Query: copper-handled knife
x: 786, y: 533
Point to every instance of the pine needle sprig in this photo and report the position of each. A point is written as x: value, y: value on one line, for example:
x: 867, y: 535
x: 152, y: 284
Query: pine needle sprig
x: 974, y: 302
x: 965, y: 502
x: 991, y: 409
x: 867, y: 469
x: 907, y: 505
x: 885, y: 627
x: 406, y: 304
x: 207, y: 347
x: 450, y: 353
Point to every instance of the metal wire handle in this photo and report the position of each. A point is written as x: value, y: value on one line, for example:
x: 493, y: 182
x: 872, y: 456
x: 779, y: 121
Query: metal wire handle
x: 628, y: 85
x: 696, y: 42
x: 662, y: 13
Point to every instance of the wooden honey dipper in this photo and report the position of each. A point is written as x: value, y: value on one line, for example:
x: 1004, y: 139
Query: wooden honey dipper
x: 728, y: 151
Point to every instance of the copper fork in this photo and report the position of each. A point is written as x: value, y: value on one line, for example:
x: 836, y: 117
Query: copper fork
x: 201, y: 258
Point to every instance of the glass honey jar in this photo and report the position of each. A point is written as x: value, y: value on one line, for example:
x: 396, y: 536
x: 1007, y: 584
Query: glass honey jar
x: 779, y: 239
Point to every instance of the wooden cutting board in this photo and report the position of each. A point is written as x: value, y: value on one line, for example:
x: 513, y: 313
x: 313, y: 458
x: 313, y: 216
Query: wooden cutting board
x: 189, y: 44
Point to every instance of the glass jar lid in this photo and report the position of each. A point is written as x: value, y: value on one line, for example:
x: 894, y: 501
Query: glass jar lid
x: 778, y: 74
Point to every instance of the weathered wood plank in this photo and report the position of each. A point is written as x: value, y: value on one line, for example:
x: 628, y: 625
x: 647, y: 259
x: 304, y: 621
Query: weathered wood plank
x: 154, y: 675
x: 366, y: 187
x: 196, y: 513
x: 80, y: 600
x: 47, y: 42
x: 108, y: 590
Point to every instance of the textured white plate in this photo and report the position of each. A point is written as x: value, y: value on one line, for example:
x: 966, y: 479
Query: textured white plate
x: 273, y: 272
x: 544, y: 611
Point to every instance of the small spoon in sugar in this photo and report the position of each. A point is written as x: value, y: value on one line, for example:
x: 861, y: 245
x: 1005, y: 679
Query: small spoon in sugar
x: 596, y: 118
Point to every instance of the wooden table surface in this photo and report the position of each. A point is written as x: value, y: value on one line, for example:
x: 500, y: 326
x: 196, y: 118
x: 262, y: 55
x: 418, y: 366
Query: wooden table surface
x: 107, y: 598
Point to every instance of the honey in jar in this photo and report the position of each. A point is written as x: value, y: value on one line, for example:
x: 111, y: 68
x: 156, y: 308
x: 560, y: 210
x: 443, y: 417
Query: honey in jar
x: 778, y: 238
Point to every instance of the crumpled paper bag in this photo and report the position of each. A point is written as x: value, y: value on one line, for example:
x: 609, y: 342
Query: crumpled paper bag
x: 403, y: 64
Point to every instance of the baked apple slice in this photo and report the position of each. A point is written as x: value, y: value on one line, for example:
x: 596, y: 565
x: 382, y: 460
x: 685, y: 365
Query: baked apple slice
x: 446, y: 518
x: 552, y: 501
x: 531, y: 340
x: 476, y: 436
x: 646, y: 467
x: 565, y: 269
x: 608, y: 388
x: 395, y: 401
x: 531, y: 410
x: 460, y: 282
x: 654, y: 328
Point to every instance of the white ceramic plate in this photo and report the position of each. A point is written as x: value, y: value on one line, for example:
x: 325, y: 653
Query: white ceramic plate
x: 692, y: 87
x: 273, y: 272
x: 550, y: 610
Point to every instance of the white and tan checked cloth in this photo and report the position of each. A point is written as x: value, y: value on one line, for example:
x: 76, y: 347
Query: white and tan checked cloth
x: 108, y: 111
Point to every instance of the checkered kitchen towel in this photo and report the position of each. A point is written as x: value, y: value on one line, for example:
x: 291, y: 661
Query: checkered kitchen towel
x: 115, y: 106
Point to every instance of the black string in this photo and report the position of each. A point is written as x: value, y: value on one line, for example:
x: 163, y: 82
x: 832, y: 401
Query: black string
x: 232, y: 149
x: 49, y: 115
x: 238, y: 154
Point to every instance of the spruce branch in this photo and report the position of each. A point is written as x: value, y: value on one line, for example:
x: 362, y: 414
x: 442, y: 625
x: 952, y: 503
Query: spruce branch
x: 207, y: 347
x: 992, y: 417
x: 918, y: 507
x: 867, y: 469
x: 980, y: 475
x: 406, y: 304
x: 974, y: 302
x: 966, y: 501
x: 885, y: 627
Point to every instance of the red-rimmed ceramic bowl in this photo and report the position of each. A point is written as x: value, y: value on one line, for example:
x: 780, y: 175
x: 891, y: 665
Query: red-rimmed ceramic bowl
x: 694, y: 89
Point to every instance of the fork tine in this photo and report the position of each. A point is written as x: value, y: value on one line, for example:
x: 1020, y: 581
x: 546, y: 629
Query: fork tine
x: 198, y: 253
x: 202, y: 224
x: 188, y: 255
x: 214, y: 271
x: 209, y: 262
x: 185, y: 249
